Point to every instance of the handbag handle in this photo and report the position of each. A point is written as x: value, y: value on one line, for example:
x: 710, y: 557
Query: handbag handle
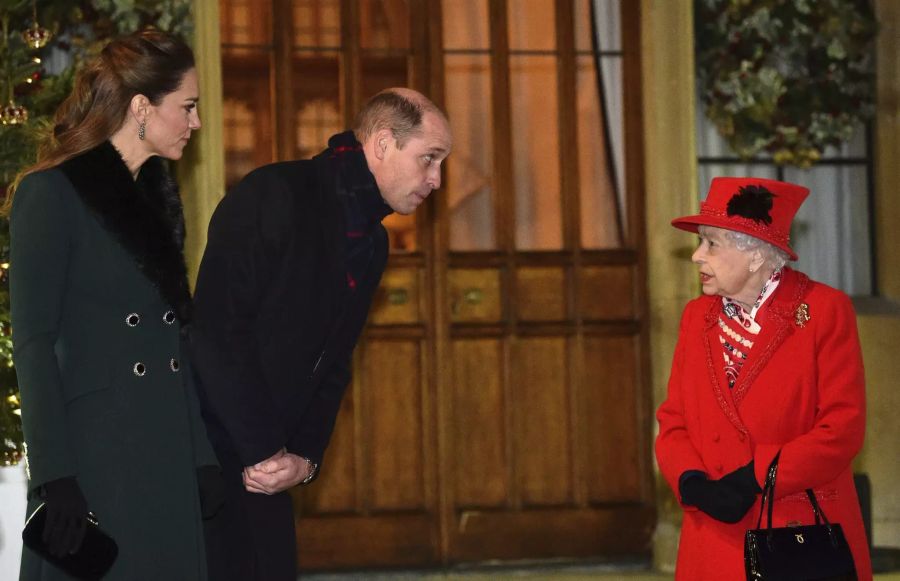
x: 768, y: 498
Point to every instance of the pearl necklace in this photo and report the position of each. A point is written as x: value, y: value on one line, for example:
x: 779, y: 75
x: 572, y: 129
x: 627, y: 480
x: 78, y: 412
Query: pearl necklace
x: 734, y: 336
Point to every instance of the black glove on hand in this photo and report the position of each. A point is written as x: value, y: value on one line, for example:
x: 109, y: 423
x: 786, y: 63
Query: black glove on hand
x: 212, y: 490
x: 716, y: 498
x: 743, y: 479
x: 66, y: 516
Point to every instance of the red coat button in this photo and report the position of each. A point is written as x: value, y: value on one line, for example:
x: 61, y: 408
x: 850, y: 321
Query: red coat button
x: 716, y: 437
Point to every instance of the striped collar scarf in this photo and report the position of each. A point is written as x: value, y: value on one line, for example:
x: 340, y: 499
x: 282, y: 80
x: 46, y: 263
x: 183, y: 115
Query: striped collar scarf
x: 738, y: 328
x: 360, y: 199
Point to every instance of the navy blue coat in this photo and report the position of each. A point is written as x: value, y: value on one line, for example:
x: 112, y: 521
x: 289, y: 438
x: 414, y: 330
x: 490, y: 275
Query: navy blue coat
x: 275, y: 323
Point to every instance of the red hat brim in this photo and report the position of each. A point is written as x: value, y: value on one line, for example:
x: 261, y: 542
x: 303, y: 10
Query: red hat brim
x: 690, y: 224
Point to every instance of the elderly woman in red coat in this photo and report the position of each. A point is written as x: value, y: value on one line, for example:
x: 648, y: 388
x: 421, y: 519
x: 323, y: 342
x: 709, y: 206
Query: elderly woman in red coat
x: 767, y: 362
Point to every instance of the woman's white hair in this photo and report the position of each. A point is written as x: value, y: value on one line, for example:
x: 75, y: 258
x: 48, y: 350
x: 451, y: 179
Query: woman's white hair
x: 773, y: 256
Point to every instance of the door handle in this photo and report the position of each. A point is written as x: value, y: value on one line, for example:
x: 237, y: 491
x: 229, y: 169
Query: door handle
x: 473, y: 296
x: 470, y: 296
x: 397, y: 296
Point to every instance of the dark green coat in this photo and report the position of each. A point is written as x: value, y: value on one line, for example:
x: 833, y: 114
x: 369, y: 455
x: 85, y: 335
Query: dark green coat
x: 99, y: 298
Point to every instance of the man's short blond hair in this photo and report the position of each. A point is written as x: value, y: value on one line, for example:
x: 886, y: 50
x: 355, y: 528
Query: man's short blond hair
x: 401, y: 112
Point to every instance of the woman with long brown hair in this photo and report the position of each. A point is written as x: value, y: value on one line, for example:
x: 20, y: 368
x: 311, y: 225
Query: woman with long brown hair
x: 100, y: 304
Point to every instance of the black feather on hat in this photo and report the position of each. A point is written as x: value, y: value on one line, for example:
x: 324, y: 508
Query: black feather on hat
x: 752, y: 202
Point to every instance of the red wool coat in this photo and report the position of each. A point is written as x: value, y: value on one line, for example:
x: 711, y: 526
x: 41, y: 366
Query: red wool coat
x: 801, y: 391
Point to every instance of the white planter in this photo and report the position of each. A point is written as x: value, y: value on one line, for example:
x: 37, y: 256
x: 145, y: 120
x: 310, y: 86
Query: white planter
x: 13, y: 487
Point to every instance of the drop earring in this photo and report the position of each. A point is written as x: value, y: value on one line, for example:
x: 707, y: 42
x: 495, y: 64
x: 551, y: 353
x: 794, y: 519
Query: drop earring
x: 142, y: 131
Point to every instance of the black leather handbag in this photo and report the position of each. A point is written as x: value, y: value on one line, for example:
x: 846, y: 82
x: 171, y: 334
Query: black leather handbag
x: 97, y: 553
x: 817, y: 552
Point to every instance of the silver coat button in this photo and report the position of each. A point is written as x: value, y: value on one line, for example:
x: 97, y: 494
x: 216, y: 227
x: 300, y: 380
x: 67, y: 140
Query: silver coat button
x: 132, y: 320
x: 169, y: 317
x: 174, y: 365
x: 139, y: 369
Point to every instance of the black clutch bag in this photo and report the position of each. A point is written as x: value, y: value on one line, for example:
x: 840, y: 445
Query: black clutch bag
x: 817, y: 552
x: 97, y: 553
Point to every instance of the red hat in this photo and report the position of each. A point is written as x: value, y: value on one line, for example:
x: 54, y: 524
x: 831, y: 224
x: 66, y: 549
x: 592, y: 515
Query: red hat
x: 759, y: 207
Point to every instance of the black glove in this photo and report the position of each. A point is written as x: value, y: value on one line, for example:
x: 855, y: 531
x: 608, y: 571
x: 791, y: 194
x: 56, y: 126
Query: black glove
x: 716, y: 498
x: 743, y: 479
x: 66, y: 516
x: 212, y: 490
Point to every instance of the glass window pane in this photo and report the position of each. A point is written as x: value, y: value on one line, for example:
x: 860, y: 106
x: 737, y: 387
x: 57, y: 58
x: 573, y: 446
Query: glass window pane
x: 245, y: 21
x: 381, y: 72
x: 317, y: 105
x: 317, y: 23
x: 532, y: 24
x: 535, y: 152
x: 831, y: 231
x: 384, y: 23
x: 317, y: 121
x: 465, y: 24
x: 247, y: 112
x: 583, y: 28
x: 855, y: 147
x: 470, y: 191
x: 599, y: 205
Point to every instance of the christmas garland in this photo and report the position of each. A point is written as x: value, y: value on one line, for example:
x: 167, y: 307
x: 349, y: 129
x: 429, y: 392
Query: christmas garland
x: 786, y: 77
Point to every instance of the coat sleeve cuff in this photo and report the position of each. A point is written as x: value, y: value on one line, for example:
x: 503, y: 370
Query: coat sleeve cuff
x: 40, y: 470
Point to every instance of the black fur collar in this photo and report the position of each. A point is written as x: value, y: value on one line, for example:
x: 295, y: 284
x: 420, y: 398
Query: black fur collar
x: 145, y: 216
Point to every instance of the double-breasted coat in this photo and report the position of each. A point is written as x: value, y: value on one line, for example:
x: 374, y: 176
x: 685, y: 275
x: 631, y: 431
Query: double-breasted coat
x: 99, y: 297
x: 801, y: 391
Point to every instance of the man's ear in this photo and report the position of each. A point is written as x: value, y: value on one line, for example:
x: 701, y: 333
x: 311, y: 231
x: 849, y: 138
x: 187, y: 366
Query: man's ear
x: 380, y: 141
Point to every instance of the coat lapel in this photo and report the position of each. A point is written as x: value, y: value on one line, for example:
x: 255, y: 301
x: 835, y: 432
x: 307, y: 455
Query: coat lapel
x: 143, y: 215
x: 777, y: 322
x: 716, y: 366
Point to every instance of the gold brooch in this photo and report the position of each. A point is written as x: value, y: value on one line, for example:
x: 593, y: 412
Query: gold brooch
x: 801, y: 315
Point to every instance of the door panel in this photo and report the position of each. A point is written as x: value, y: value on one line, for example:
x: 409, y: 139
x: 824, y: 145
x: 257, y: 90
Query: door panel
x: 480, y: 444
x: 394, y: 431
x: 540, y: 401
x: 613, y: 457
x: 605, y: 292
x: 541, y: 293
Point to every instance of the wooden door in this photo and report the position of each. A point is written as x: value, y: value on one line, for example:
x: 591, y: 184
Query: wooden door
x: 500, y: 403
x: 543, y: 396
